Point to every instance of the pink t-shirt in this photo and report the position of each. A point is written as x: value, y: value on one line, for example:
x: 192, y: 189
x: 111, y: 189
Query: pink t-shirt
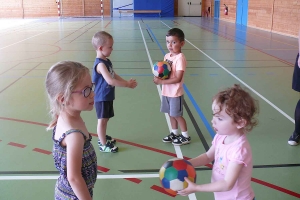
x: 240, y: 152
x: 178, y: 63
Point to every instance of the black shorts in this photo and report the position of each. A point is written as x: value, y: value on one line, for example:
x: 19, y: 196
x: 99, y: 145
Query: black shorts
x: 104, y: 109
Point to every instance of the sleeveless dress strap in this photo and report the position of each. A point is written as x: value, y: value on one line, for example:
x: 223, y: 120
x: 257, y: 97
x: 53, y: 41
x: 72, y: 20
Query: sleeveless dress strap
x: 65, y: 134
x: 75, y: 130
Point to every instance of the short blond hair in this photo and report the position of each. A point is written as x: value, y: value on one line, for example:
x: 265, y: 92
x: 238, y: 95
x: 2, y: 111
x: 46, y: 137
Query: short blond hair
x: 100, y: 38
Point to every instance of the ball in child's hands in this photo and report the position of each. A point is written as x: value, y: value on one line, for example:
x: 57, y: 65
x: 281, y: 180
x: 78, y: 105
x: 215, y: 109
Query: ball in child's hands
x: 161, y: 69
x: 172, y: 174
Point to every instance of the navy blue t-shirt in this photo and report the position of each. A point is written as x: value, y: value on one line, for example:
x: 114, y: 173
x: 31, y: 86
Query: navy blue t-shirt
x: 103, y: 91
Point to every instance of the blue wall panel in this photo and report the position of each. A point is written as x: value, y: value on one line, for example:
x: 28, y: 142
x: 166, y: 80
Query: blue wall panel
x: 242, y: 12
x: 166, y: 7
x: 217, y: 9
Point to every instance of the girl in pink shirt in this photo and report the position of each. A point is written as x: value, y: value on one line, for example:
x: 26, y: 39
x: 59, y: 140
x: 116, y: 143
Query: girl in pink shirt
x: 233, y: 117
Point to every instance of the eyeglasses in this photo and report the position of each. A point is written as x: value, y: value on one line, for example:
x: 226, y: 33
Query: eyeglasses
x: 86, y: 91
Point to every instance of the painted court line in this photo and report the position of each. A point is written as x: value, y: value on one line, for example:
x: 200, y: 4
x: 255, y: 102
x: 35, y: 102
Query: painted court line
x: 54, y: 177
x: 261, y: 182
x: 245, y: 84
x: 23, y: 40
x: 177, y: 148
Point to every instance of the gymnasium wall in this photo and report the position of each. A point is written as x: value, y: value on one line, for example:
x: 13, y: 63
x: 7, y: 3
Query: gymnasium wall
x: 281, y: 16
x: 205, y: 5
x: 27, y: 8
x: 166, y: 7
x: 48, y: 8
x: 277, y: 16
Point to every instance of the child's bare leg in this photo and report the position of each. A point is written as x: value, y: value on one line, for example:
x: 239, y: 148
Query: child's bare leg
x: 174, y: 123
x: 184, y: 138
x: 182, y: 123
x: 101, y: 130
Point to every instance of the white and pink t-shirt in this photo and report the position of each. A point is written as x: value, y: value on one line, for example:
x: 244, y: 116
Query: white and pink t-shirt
x: 240, y: 152
x: 178, y: 63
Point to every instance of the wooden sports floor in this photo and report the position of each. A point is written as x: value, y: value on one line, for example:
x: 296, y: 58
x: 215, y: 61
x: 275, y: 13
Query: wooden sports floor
x: 219, y: 54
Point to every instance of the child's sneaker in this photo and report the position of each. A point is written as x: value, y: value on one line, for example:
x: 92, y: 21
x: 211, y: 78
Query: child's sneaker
x: 109, y: 147
x: 294, y: 139
x: 110, y: 139
x: 180, y: 140
x: 170, y: 137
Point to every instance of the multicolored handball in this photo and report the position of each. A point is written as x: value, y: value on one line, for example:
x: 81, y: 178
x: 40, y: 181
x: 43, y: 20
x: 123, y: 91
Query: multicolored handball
x: 161, y: 69
x: 172, y: 174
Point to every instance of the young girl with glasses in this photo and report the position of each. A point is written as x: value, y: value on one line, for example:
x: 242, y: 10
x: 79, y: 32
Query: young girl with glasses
x: 70, y: 91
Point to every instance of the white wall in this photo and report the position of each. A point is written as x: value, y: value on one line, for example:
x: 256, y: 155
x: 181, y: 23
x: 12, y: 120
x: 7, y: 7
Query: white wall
x: 120, y: 4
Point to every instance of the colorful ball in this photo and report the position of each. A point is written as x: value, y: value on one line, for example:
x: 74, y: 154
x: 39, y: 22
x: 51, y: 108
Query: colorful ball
x: 161, y: 69
x: 172, y: 174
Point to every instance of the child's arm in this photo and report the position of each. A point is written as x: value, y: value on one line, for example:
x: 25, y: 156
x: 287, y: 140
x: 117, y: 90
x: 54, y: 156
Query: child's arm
x: 204, y: 158
x: 74, y: 143
x: 131, y: 83
x: 117, y: 81
x: 177, y: 79
x: 232, y: 173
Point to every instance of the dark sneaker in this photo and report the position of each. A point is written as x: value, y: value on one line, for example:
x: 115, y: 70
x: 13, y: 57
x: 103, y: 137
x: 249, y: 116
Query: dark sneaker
x: 294, y: 139
x: 109, y: 147
x: 110, y: 139
x: 180, y: 140
x: 170, y: 137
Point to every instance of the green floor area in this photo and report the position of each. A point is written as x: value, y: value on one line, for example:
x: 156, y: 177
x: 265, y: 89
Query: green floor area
x: 215, y: 60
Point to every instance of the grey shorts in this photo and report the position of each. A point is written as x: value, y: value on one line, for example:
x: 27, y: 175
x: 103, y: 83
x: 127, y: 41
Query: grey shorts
x: 172, y: 106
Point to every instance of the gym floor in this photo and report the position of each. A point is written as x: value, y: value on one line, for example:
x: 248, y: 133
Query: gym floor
x: 219, y: 54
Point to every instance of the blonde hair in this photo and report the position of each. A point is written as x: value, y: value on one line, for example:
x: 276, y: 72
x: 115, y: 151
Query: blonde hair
x: 100, y: 38
x: 238, y: 104
x: 61, y: 79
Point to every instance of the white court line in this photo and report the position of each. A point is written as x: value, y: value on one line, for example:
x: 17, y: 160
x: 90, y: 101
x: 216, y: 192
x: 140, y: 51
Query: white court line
x: 54, y: 177
x: 22, y: 40
x: 177, y: 148
x: 245, y: 84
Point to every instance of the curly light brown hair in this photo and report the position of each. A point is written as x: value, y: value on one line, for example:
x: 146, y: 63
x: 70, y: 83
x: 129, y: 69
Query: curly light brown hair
x: 238, y: 104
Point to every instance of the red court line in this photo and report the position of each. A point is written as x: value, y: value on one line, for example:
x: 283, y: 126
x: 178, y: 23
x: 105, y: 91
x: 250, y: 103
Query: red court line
x: 103, y: 169
x: 16, y: 145
x: 134, y: 180
x: 42, y: 151
x: 162, y: 190
x: 107, y: 24
x: 275, y: 187
x: 24, y: 121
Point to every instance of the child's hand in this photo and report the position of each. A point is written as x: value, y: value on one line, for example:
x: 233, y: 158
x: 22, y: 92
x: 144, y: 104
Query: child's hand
x: 132, y: 83
x: 190, y: 189
x: 157, y: 81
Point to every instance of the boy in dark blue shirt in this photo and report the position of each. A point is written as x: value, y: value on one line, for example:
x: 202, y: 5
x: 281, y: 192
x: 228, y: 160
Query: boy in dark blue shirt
x: 105, y: 80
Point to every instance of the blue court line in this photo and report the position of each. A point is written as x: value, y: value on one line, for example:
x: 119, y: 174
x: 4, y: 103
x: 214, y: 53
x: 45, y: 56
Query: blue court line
x: 163, y: 52
x: 200, y: 113
x: 123, y: 7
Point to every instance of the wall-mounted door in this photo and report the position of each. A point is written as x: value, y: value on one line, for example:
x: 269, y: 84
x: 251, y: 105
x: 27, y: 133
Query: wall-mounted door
x: 189, y: 8
x: 217, y: 9
x: 242, y: 12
